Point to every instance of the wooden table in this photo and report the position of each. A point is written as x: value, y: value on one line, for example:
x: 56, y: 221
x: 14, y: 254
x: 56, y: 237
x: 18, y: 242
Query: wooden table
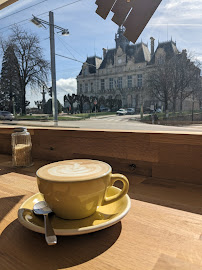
x: 163, y: 229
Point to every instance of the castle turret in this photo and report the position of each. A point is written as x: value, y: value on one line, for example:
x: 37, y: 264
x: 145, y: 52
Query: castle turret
x: 120, y: 39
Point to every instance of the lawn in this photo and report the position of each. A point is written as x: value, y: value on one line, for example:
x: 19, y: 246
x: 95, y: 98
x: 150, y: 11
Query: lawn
x: 67, y: 117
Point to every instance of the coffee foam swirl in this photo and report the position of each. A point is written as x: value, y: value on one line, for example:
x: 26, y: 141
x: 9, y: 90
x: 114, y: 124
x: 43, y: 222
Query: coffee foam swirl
x: 75, y: 169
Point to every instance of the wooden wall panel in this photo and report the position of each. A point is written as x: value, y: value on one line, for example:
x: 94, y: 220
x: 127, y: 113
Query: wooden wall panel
x: 181, y: 155
x: 176, y: 138
x: 160, y: 155
x: 5, y: 144
x: 120, y: 145
x: 178, y: 173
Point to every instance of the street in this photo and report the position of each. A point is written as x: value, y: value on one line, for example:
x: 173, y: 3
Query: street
x: 114, y: 122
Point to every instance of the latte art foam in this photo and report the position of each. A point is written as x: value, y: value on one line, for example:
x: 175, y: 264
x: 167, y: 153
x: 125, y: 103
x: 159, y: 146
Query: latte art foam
x: 75, y: 169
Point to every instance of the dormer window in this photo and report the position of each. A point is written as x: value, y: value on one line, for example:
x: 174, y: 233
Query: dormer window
x: 86, y: 71
x: 160, y: 60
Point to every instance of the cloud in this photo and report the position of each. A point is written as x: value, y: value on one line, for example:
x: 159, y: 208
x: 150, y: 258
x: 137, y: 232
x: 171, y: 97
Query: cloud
x: 182, y: 4
x: 66, y: 86
x: 181, y: 11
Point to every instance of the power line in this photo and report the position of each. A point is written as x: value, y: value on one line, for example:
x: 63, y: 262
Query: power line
x: 65, y: 45
x: 75, y: 60
x: 39, y: 14
x: 23, y: 9
x: 67, y: 5
x: 69, y: 58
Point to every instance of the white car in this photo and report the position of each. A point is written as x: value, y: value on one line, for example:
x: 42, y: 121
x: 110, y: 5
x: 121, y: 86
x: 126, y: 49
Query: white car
x: 121, y: 112
x: 4, y: 115
x: 130, y: 111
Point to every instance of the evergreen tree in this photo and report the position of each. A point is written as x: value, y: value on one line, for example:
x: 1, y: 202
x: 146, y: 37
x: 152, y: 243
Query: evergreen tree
x: 10, y: 91
x: 48, y: 107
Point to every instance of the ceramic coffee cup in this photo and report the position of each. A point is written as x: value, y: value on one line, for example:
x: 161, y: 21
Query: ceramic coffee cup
x: 75, y: 188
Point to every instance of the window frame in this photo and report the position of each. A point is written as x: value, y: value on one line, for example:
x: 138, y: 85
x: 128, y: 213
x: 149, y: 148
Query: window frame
x: 139, y: 80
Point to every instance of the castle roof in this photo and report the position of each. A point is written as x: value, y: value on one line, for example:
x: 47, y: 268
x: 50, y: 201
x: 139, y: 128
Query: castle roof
x: 139, y: 51
x: 93, y: 63
x: 108, y: 58
x: 169, y: 47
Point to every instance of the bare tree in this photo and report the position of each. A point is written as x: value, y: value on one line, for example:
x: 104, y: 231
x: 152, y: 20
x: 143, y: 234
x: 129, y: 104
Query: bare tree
x: 187, y: 76
x: 81, y: 100
x: 33, y: 68
x: 71, y: 99
x: 159, y: 83
x: 174, y: 80
x: 92, y: 100
x: 112, y: 103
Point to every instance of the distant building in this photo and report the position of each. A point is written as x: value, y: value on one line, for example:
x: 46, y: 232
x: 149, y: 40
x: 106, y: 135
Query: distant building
x: 121, y: 72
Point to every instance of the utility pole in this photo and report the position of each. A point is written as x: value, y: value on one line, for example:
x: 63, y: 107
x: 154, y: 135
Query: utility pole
x: 39, y: 22
x: 53, y: 69
x: 13, y: 103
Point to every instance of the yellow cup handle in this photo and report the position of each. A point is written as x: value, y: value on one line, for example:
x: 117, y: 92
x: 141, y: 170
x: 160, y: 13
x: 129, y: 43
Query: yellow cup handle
x: 114, y: 178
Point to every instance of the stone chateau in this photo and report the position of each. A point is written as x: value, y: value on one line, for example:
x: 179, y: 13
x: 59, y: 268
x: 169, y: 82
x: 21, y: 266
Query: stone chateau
x: 121, y: 72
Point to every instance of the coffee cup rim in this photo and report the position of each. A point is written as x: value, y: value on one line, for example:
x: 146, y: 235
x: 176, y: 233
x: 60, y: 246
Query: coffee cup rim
x: 77, y: 180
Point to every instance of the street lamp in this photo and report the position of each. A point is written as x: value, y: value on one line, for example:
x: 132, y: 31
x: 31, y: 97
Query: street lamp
x: 39, y: 22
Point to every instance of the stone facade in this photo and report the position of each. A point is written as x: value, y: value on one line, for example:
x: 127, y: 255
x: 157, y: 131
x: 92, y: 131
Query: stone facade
x: 122, y: 71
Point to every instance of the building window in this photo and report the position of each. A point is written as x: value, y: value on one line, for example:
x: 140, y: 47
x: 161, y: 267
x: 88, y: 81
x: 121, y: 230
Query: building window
x: 130, y: 81
x: 86, y: 88
x: 119, y: 83
x: 102, y: 84
x: 160, y: 60
x: 86, y: 71
x: 98, y: 85
x: 80, y: 88
x: 111, y: 83
x: 139, y: 80
x: 91, y: 87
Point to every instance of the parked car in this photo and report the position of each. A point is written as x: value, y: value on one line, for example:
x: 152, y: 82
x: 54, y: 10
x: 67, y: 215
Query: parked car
x: 4, y: 115
x: 130, y: 111
x: 121, y: 112
x: 158, y: 110
x: 104, y: 109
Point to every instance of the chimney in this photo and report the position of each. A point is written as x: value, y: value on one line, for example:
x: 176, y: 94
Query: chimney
x: 184, y: 52
x: 104, y: 52
x: 152, y: 46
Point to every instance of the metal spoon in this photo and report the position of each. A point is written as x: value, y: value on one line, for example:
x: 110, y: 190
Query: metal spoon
x: 42, y: 208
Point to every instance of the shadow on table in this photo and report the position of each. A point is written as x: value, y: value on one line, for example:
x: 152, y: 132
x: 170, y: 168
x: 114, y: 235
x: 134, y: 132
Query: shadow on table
x: 173, y: 194
x: 7, y: 203
x: 30, y: 251
x: 30, y: 171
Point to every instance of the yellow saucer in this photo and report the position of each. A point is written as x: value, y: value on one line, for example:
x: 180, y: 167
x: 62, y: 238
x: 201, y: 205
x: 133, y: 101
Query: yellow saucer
x: 104, y: 217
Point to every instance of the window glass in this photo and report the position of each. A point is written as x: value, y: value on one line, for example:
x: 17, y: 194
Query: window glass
x: 92, y: 86
x: 158, y: 78
x: 86, y: 87
x: 129, y: 81
x: 80, y: 87
x: 111, y: 83
x: 102, y: 84
x: 139, y: 80
x: 119, y: 82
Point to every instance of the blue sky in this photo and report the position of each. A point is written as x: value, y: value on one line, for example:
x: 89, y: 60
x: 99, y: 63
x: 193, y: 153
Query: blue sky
x: 89, y: 33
